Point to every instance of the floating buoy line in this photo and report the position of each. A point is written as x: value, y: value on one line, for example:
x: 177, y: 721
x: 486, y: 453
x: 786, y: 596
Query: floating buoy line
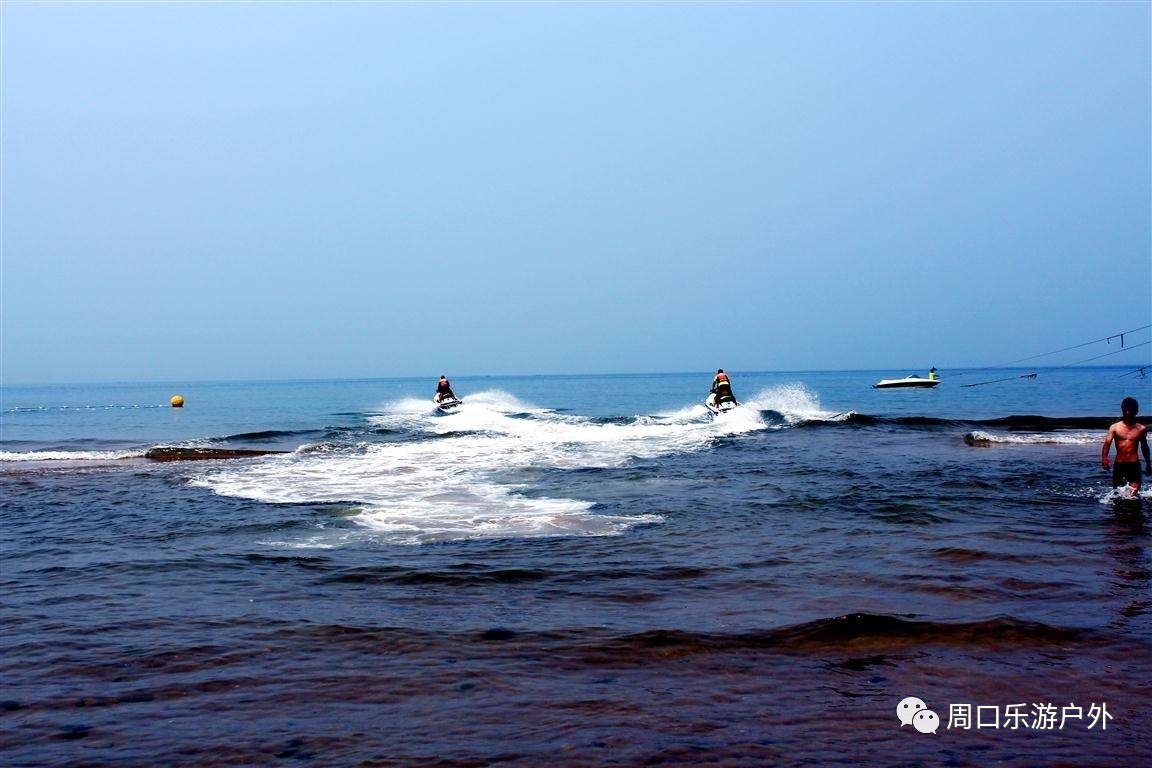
x: 177, y: 401
x: 44, y: 408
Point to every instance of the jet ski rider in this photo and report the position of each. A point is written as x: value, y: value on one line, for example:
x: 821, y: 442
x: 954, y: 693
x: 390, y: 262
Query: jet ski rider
x: 722, y: 387
x: 444, y: 390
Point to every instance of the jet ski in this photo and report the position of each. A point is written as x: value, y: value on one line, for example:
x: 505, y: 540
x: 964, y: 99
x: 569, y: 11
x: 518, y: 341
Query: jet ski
x: 910, y: 381
x: 448, y: 405
x: 725, y: 404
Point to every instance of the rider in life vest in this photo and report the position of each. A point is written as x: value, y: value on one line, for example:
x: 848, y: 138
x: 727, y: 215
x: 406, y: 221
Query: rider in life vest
x: 722, y: 387
x: 444, y: 390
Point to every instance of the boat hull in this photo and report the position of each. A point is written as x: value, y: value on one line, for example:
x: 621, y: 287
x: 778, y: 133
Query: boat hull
x: 909, y: 383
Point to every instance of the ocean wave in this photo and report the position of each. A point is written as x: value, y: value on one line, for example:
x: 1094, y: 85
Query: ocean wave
x: 1016, y: 423
x: 857, y: 629
x: 1044, y: 423
x: 268, y: 434
x: 794, y: 402
x: 476, y: 574
x: 849, y: 632
x: 982, y: 439
x: 404, y: 576
x: 69, y: 455
x: 189, y: 450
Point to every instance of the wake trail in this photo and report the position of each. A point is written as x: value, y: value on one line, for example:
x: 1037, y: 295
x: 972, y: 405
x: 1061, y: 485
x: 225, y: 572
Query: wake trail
x: 452, y: 487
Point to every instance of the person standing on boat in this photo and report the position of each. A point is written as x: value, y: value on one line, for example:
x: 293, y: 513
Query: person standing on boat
x: 722, y: 387
x: 1129, y: 435
x: 932, y: 374
x: 444, y: 390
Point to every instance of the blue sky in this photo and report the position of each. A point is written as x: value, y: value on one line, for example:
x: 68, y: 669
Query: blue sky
x: 213, y: 191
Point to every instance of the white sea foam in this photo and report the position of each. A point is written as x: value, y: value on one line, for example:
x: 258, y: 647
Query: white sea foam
x: 1125, y: 494
x: 313, y: 542
x: 454, y: 486
x: 683, y: 415
x: 795, y: 402
x: 68, y: 455
x: 492, y: 400
x: 1039, y: 438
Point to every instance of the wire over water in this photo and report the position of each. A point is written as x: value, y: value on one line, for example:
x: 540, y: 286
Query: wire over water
x: 1033, y: 375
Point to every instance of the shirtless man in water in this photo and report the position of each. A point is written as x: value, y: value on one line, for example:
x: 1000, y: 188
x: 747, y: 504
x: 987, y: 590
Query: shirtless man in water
x: 1128, y: 434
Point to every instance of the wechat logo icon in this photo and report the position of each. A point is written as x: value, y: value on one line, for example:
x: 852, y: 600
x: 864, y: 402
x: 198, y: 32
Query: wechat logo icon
x: 913, y: 711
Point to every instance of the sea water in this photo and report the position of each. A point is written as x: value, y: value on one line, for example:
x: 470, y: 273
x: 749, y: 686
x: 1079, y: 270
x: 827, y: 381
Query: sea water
x: 572, y: 570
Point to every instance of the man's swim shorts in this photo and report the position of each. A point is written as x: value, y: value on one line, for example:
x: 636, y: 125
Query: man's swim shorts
x: 1125, y: 472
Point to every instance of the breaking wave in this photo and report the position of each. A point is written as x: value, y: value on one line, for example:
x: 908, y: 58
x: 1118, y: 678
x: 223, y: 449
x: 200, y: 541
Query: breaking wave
x: 795, y: 403
x: 980, y: 438
x: 1010, y: 423
x: 69, y: 455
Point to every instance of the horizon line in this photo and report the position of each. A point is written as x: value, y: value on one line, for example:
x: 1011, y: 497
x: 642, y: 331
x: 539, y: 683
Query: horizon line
x: 313, y: 380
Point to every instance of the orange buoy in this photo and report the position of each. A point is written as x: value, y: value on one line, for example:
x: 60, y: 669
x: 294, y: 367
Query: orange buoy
x: 177, y: 401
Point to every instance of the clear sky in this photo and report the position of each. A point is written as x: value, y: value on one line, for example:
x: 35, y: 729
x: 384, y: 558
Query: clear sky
x: 219, y: 191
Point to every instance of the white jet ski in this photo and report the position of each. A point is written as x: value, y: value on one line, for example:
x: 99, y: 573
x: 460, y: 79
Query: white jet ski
x: 448, y: 405
x: 727, y: 404
x: 910, y: 381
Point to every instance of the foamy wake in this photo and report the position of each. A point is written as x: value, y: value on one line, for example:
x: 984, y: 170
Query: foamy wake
x: 795, y: 402
x: 455, y: 486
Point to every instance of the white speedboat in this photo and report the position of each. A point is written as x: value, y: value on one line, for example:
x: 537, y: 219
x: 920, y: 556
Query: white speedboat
x: 448, y: 405
x: 723, y: 406
x: 910, y: 381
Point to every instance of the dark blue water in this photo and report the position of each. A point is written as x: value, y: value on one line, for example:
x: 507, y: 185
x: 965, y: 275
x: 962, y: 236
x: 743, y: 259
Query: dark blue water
x: 570, y: 571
